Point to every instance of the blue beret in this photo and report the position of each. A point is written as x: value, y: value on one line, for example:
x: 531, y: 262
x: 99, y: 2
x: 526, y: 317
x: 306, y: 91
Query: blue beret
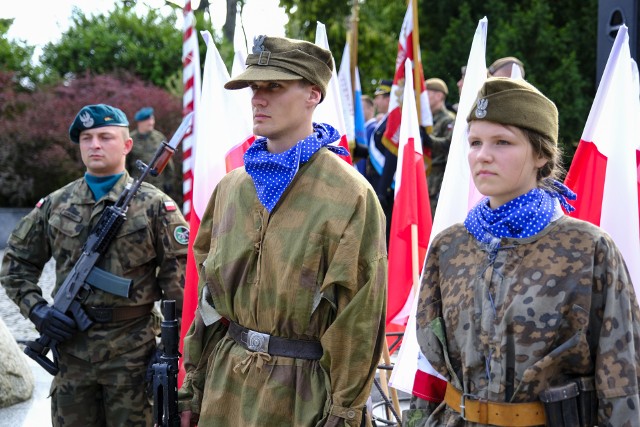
x: 143, y: 114
x: 96, y: 116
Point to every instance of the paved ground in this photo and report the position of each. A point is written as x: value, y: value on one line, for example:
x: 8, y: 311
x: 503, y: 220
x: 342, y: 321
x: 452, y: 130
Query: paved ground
x: 35, y: 412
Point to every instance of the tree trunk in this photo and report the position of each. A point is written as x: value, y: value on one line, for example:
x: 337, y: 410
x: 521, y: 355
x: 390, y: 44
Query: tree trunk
x: 229, y: 27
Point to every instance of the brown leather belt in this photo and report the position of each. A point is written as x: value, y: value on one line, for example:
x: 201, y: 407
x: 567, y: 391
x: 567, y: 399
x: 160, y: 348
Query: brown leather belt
x: 118, y: 314
x: 496, y: 413
x: 275, y: 346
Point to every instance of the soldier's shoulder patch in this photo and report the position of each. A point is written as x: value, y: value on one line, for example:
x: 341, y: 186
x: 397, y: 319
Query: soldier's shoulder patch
x: 41, y: 202
x: 170, y: 206
x: 181, y: 234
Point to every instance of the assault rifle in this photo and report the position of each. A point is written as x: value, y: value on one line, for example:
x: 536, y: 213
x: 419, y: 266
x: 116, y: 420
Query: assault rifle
x: 165, y: 373
x: 84, y: 274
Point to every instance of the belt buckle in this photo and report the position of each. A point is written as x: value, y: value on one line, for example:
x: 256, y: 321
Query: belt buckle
x: 257, y: 341
x: 463, y: 398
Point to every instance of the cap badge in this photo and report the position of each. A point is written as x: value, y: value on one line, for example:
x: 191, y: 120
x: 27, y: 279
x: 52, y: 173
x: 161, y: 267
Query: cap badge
x: 86, y: 119
x: 481, y: 110
x: 257, y: 44
x: 258, y: 48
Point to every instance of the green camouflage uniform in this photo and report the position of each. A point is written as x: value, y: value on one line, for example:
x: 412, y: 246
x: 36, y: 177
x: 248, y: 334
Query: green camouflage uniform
x: 101, y: 378
x: 443, y: 121
x: 312, y: 269
x: 144, y: 147
x: 564, y: 308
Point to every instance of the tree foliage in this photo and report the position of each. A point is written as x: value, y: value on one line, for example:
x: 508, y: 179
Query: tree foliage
x: 149, y: 47
x: 555, y: 40
x: 36, y: 155
x: 16, y: 56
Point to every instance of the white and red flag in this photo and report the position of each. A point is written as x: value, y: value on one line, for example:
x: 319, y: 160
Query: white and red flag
x: 190, y: 99
x: 411, y: 219
x: 412, y: 373
x: 604, y: 170
x: 224, y: 133
x: 330, y: 110
x: 346, y: 94
x: 408, y: 49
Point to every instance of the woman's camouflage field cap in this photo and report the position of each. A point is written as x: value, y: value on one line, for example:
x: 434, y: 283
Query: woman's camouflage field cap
x: 279, y: 58
x: 96, y: 116
x: 517, y: 103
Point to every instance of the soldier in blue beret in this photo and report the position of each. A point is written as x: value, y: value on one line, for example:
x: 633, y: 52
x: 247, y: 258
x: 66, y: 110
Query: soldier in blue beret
x: 101, y: 380
x: 146, y: 140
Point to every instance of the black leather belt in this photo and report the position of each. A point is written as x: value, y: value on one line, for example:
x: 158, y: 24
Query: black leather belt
x: 275, y: 346
x: 117, y: 314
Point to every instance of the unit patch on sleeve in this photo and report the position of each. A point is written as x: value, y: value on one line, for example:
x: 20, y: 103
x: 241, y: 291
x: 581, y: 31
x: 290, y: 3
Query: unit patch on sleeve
x: 181, y: 234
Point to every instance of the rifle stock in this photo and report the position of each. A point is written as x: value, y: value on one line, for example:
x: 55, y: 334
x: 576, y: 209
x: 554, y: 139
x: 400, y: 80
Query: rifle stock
x: 77, y: 285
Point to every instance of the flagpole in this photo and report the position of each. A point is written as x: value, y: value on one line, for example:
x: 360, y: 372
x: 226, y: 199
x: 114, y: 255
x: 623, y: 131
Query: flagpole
x: 417, y: 61
x: 188, y: 99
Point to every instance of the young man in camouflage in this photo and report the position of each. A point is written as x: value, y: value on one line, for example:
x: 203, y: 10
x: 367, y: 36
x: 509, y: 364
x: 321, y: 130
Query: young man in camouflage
x: 290, y: 324
x: 146, y: 140
x: 102, y: 370
x: 439, y: 140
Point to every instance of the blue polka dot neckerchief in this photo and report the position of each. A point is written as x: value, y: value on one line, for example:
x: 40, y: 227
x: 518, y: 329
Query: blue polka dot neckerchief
x: 522, y: 217
x: 273, y: 172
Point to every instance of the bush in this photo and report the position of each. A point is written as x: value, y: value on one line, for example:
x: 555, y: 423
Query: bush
x: 36, y: 155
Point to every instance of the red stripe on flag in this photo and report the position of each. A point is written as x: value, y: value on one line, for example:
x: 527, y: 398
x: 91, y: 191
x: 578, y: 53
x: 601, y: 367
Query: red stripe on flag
x: 429, y: 387
x: 586, y: 177
x: 190, y: 301
x: 344, y: 142
x: 234, y: 157
x: 411, y: 207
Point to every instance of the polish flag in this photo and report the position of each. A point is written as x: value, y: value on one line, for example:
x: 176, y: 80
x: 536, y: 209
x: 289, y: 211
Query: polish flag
x: 406, y: 43
x: 330, y: 110
x: 224, y: 132
x: 412, y: 372
x: 411, y: 219
x: 604, y: 170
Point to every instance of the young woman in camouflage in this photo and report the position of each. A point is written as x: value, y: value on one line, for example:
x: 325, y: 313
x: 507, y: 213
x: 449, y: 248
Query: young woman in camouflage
x: 520, y: 298
x: 290, y: 322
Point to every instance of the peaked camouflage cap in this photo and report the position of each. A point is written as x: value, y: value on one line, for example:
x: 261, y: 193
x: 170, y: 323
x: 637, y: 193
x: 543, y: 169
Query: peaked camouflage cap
x: 517, y: 103
x: 96, y: 116
x: 280, y: 58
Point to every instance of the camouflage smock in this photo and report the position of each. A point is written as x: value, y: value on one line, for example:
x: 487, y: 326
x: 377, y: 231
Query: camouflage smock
x: 312, y: 269
x: 144, y: 147
x: 443, y: 121
x: 564, y: 307
x: 146, y: 250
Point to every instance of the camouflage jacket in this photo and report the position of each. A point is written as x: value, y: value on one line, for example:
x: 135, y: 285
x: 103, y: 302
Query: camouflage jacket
x: 150, y: 248
x: 543, y: 310
x: 443, y: 121
x: 313, y: 269
x: 144, y: 147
